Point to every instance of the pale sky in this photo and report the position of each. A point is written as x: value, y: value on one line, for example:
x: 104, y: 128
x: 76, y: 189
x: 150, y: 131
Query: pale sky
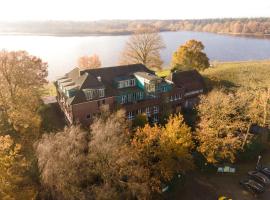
x: 13, y: 10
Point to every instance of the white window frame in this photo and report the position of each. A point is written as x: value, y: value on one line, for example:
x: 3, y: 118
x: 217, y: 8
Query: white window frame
x: 147, y: 111
x: 123, y: 99
x: 101, y: 93
x: 130, y: 115
x: 141, y: 95
x: 89, y: 93
x: 132, y: 82
x: 155, y: 118
x: 155, y: 109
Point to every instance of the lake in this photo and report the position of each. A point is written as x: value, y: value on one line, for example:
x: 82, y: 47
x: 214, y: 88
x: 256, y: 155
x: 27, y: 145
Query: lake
x: 62, y: 53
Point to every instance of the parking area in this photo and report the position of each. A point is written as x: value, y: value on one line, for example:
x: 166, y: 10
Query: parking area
x: 207, y: 186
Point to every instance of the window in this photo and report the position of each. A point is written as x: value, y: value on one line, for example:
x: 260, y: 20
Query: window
x: 177, y: 97
x: 130, y: 116
x: 101, y: 93
x: 171, y: 98
x: 139, y: 111
x: 88, y: 94
x: 129, y: 97
x: 132, y: 82
x: 88, y: 116
x: 147, y: 110
x: 164, y: 89
x: 140, y: 95
x: 120, y: 84
x: 155, y: 108
x: 155, y: 119
x: 123, y: 99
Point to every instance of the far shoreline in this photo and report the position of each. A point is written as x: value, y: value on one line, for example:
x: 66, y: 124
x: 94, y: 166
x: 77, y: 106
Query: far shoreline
x: 89, y: 34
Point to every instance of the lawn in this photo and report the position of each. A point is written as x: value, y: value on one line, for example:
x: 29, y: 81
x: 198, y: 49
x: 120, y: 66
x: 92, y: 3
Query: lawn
x: 249, y: 74
x: 163, y: 73
x: 49, y: 90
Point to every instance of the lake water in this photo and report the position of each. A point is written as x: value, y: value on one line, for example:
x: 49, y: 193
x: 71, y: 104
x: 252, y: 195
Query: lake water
x: 62, y: 53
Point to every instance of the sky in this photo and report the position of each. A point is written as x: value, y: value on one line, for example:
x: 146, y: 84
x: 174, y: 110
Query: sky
x: 85, y: 10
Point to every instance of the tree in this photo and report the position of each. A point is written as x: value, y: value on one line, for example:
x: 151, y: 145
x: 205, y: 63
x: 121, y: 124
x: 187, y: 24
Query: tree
x: 22, y: 77
x: 89, y: 62
x: 63, y: 163
x: 13, y: 165
x: 164, y: 151
x: 143, y: 47
x: 222, y: 127
x: 190, y: 55
x: 259, y: 107
x: 115, y: 161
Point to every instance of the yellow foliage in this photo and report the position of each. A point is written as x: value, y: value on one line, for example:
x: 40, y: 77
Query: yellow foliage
x: 165, y: 151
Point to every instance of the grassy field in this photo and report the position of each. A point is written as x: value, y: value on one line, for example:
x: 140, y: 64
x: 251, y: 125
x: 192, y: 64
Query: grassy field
x: 163, y: 73
x: 49, y: 90
x: 250, y: 74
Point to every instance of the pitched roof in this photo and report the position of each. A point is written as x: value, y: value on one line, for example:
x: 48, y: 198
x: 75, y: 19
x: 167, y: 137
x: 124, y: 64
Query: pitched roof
x: 191, y: 80
x: 101, y: 78
x: 108, y: 74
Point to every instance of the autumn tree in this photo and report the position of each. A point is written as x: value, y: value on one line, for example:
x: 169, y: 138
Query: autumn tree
x: 164, y: 151
x: 12, y: 168
x: 63, y: 163
x: 143, y: 47
x: 222, y: 126
x: 89, y: 62
x: 190, y: 56
x: 259, y: 107
x: 21, y: 78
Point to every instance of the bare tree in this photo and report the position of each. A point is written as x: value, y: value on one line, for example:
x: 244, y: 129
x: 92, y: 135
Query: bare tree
x: 115, y: 160
x: 144, y: 47
x: 62, y: 161
x: 89, y: 62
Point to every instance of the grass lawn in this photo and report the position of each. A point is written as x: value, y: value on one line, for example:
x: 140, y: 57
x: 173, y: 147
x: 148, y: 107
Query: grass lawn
x: 250, y: 74
x: 163, y: 73
x: 49, y: 90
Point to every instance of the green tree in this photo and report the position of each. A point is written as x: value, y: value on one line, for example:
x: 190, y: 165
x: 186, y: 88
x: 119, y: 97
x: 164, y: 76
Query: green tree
x: 190, y: 56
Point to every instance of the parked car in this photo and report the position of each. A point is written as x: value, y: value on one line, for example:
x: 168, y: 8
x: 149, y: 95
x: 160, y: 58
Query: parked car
x: 224, y: 198
x: 260, y: 177
x: 265, y: 171
x: 252, y: 186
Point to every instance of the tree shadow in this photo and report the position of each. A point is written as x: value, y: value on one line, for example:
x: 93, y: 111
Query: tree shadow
x: 211, y: 83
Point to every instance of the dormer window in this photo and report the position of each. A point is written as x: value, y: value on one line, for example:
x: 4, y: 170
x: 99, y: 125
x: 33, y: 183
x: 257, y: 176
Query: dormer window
x: 89, y: 93
x: 101, y: 93
x: 126, y: 83
x: 94, y: 93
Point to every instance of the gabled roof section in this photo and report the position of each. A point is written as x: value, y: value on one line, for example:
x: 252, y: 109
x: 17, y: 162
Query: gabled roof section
x: 148, y: 76
x: 108, y: 74
x: 74, y: 74
x: 191, y: 80
x: 102, y: 78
